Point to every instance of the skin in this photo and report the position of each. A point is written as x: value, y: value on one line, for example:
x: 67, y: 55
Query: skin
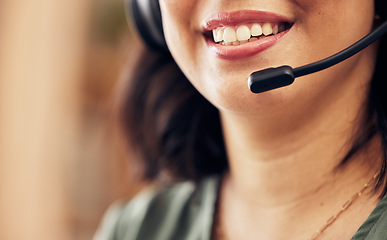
x: 284, y: 145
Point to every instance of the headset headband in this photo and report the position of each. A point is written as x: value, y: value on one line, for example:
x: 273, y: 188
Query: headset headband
x: 146, y: 17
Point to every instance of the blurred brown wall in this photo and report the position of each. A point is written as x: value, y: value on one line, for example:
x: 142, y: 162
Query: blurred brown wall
x: 59, y: 167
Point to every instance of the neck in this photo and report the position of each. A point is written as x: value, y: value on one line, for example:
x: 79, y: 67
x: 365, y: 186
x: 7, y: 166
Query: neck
x: 273, y: 180
x: 286, y: 161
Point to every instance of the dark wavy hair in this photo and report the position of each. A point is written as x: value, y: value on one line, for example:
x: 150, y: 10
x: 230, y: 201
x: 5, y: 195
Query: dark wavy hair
x: 175, y: 132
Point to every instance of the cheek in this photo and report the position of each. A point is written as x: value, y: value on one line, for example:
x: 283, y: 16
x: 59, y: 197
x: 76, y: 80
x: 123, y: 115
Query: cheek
x: 338, y: 17
x: 326, y: 27
x: 177, y: 20
x: 183, y: 40
x: 323, y: 28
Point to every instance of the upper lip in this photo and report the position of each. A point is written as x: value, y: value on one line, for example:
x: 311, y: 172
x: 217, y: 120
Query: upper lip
x: 238, y: 17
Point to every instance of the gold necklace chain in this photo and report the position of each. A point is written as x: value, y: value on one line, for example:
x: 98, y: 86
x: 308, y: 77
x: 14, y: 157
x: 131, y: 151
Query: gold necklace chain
x: 346, y: 205
x: 219, y: 234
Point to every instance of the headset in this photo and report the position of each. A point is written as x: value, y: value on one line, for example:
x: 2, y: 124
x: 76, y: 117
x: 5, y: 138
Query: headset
x: 146, y: 17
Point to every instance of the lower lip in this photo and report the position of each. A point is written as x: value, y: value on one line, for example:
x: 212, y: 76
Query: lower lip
x: 246, y: 50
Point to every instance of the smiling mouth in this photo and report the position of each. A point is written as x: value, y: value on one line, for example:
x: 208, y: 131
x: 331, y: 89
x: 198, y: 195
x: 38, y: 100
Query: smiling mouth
x: 244, y: 33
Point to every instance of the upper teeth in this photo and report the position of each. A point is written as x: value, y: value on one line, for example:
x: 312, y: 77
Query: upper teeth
x: 236, y: 35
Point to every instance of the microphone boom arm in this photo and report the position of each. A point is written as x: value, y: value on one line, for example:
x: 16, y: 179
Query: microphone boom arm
x: 272, y: 78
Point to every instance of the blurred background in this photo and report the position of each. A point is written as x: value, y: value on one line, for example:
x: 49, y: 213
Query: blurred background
x: 61, y: 161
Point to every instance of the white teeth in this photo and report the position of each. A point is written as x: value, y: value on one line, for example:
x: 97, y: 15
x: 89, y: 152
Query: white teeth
x: 219, y: 36
x: 243, y: 33
x: 232, y: 35
x: 229, y: 35
x: 214, y: 34
x: 256, y: 30
x: 267, y: 29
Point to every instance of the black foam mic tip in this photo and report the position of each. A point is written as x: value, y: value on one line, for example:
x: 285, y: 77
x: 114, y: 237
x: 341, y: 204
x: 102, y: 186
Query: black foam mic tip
x: 271, y: 78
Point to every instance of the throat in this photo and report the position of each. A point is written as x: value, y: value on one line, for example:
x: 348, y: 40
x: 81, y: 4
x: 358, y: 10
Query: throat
x: 309, y: 219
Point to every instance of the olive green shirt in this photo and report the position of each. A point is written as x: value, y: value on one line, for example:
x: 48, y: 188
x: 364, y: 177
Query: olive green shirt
x: 185, y: 211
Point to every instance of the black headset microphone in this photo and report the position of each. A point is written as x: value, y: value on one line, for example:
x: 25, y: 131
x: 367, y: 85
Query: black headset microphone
x: 272, y: 78
x: 146, y: 17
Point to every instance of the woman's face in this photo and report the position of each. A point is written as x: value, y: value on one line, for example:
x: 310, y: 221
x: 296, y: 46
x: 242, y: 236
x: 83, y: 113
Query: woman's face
x: 308, y: 30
